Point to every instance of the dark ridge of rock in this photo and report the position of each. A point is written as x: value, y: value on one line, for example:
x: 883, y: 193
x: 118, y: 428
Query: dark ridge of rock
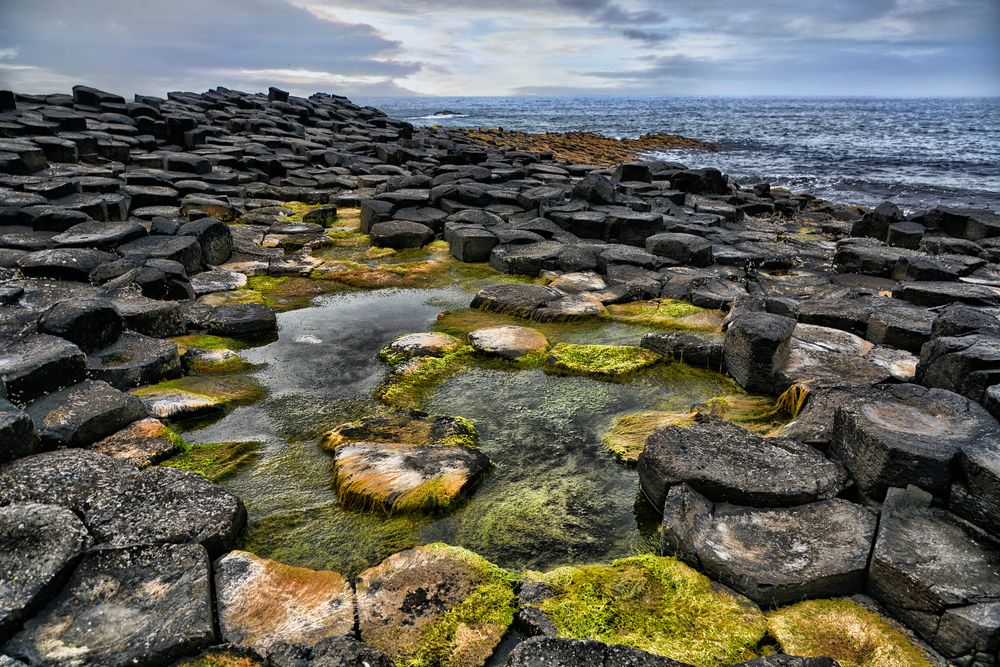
x: 338, y: 652
x: 17, y: 432
x: 554, y: 652
x: 727, y: 463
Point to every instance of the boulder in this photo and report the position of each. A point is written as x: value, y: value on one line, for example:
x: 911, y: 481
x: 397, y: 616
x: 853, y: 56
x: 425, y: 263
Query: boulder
x: 751, y: 344
x: 89, y: 323
x: 17, y: 432
x: 555, y: 652
x: 749, y: 548
x: 214, y: 238
x: 686, y: 249
x: 508, y: 342
x: 142, y: 443
x: 263, y: 603
x: 700, y: 181
x: 401, y: 234
x: 93, y: 234
x: 139, y: 605
x: 82, y: 413
x: 430, y: 344
x: 903, y: 327
x: 185, y: 250
x: 135, y: 360
x: 908, y: 434
x: 121, y: 505
x: 405, y: 477
x: 400, y: 600
x: 727, y: 463
x: 471, y: 244
x: 595, y: 189
x: 39, y: 545
x: 37, y: 364
x: 966, y: 365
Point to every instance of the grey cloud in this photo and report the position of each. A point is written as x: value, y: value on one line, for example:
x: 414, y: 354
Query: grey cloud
x: 644, y: 36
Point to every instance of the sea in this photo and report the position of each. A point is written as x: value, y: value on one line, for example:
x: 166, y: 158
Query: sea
x: 917, y: 153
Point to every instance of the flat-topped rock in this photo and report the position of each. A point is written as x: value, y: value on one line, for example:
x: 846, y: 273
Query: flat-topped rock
x: 39, y: 544
x: 686, y: 348
x: 63, y: 263
x: 263, y: 603
x: 752, y: 342
x: 508, y: 342
x: 83, y: 413
x: 907, y: 434
x: 411, y: 592
x: 142, y: 443
x: 935, y: 293
x: 182, y: 249
x: 428, y: 344
x: 89, y: 323
x: 773, y: 556
x: 95, y: 234
x: 727, y: 463
x: 514, y: 299
x: 401, y: 477
x: 121, y: 505
x: 965, y: 364
x: 401, y: 234
x: 237, y: 320
x: 140, y: 605
x: 135, y: 360
x: 209, y: 282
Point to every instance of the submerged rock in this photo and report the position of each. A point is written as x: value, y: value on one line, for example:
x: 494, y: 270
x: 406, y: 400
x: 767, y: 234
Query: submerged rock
x: 749, y: 548
x: 727, y: 463
x: 140, y: 605
x: 410, y: 427
x: 39, y: 544
x: 604, y: 361
x: 405, y: 477
x: 435, y: 604
x: 263, y: 603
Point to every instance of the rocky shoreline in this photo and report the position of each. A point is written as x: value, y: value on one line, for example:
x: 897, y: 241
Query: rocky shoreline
x: 143, y: 243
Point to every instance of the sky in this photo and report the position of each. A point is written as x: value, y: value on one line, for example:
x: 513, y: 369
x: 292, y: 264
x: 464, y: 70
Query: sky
x: 369, y: 48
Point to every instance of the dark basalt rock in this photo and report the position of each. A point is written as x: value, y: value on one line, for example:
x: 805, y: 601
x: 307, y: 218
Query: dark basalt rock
x: 39, y: 544
x: 94, y: 234
x: 135, y: 360
x: 685, y: 348
x: 17, y: 432
x: 781, y: 660
x: 236, y: 320
x: 902, y: 327
x: 36, y: 364
x: 528, y: 259
x: 750, y: 346
x: 90, y: 323
x: 514, y: 299
x: 471, y: 244
x: 155, y: 278
x: 960, y: 320
x: 939, y: 575
x: 121, y: 505
x: 401, y: 234
x: 773, y: 556
x: 907, y: 434
x: 83, y: 413
x: 727, y: 463
x: 967, y: 365
x: 336, y: 652
x: 687, y: 249
x: 554, y: 652
x: 63, y: 264
x: 596, y: 189
x: 140, y: 605
x: 934, y: 293
x: 214, y: 238
x: 183, y: 249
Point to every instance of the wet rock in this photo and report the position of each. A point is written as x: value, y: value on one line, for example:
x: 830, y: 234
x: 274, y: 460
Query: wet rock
x: 39, y: 544
x: 213, y: 237
x: 135, y: 360
x: 936, y: 572
x: 405, y: 477
x: 699, y: 181
x: 64, y: 263
x: 263, y: 603
x: 337, y: 652
x: 749, y: 549
x: 17, y: 432
x: 33, y: 365
x: 514, y: 299
x: 554, y: 652
x: 686, y: 249
x: 209, y: 282
x: 89, y: 323
x: 95, y: 234
x: 907, y: 434
x: 685, y: 348
x: 401, y: 234
x: 185, y: 250
x: 82, y: 413
x: 145, y: 605
x: 142, y: 443
x: 751, y: 344
x: 421, y: 345
x: 121, y: 505
x: 727, y: 463
x: 410, y: 594
x: 571, y: 307
x: 508, y: 342
x: 237, y: 320
x: 576, y: 283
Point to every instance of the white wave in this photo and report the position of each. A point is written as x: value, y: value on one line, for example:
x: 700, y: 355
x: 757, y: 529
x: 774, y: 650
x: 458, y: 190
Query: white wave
x: 439, y: 116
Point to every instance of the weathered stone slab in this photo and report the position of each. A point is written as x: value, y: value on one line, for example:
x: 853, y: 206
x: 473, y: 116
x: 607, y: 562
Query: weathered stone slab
x: 83, y: 413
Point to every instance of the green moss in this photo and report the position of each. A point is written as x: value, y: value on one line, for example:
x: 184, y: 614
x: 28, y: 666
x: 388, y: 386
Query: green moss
x: 627, y: 437
x: 843, y: 630
x: 655, y: 604
x: 217, y: 460
x: 605, y: 361
x: 667, y: 313
x: 285, y: 293
x: 220, y: 658
x: 406, y: 427
x: 224, y: 390
x: 209, y: 342
x: 408, y: 385
x: 231, y: 297
x: 215, y: 362
x: 466, y: 634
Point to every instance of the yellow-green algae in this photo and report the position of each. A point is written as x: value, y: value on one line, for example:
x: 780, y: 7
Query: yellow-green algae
x: 409, y: 383
x: 210, y: 342
x: 845, y: 631
x: 602, y: 361
x: 215, y: 460
x: 667, y: 313
x: 231, y: 297
x: 197, y: 365
x: 224, y: 390
x: 407, y: 427
x: 282, y: 293
x: 467, y: 634
x: 655, y: 604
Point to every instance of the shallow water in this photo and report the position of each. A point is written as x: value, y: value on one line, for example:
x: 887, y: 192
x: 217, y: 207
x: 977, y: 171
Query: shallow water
x: 555, y: 495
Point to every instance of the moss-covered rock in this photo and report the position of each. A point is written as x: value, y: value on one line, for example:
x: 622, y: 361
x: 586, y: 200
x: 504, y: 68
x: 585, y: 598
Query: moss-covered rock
x: 409, y: 427
x: 210, y: 342
x: 198, y: 395
x: 667, y: 313
x: 231, y: 297
x: 424, y: 344
x: 408, y: 384
x: 222, y: 657
x: 142, y: 443
x: 197, y: 361
x: 602, y: 361
x: 216, y: 460
x: 652, y: 603
x: 435, y: 605
x: 844, y: 630
x: 283, y: 293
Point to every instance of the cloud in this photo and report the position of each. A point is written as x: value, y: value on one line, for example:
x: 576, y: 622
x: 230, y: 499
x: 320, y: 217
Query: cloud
x: 644, y: 36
